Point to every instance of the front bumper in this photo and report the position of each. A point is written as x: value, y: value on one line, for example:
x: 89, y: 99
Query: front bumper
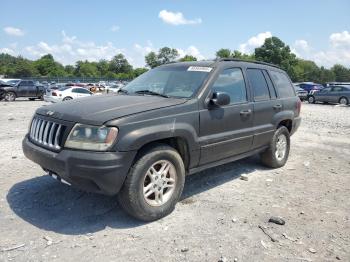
x: 98, y: 172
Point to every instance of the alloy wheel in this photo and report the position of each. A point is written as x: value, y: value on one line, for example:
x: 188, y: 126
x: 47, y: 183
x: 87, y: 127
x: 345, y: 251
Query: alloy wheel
x: 159, y: 183
x: 281, y: 147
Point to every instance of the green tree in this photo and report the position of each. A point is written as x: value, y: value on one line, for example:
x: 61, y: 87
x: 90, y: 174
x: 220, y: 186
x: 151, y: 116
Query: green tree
x: 86, y: 69
x: 305, y: 70
x: 276, y: 52
x: 152, y: 60
x: 69, y: 69
x: 223, y: 53
x: 47, y: 66
x: 139, y: 71
x: 342, y: 74
x: 239, y: 55
x: 326, y: 75
x: 119, y: 64
x: 102, y: 67
x: 165, y: 55
x: 188, y: 58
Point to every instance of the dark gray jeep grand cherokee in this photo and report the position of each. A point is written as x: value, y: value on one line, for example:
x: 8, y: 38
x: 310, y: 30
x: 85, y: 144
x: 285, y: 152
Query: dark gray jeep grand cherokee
x: 174, y: 120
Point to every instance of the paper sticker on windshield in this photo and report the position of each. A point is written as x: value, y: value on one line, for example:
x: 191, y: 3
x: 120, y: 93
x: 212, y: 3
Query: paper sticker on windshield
x: 200, y: 69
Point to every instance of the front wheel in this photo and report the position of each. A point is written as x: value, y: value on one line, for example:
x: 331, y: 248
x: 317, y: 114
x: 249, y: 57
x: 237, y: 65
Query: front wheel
x: 154, y: 184
x: 10, y: 96
x: 278, y: 151
x: 311, y: 100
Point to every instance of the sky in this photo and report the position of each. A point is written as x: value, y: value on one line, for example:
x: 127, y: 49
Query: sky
x: 94, y: 30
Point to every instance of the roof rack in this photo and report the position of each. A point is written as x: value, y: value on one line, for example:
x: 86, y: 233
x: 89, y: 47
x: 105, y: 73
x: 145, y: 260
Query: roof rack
x: 248, y: 61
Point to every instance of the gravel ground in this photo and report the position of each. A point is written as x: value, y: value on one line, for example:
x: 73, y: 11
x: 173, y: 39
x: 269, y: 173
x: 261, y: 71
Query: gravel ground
x: 220, y: 216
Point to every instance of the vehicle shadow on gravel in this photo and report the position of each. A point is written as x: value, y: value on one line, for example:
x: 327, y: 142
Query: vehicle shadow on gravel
x: 50, y: 205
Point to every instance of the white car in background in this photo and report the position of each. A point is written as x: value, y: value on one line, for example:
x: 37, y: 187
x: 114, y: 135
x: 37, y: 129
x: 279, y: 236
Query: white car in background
x: 114, y: 88
x: 66, y: 93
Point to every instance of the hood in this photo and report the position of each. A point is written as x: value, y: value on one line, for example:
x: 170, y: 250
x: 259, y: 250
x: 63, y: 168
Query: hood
x: 96, y: 110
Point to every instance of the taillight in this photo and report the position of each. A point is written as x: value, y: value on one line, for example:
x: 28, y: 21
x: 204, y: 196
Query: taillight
x: 54, y: 94
x: 298, y: 107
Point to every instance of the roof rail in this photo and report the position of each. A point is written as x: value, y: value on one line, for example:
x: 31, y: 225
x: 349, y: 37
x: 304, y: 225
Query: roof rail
x: 248, y: 61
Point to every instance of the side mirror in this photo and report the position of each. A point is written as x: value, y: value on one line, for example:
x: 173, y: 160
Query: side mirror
x: 220, y: 99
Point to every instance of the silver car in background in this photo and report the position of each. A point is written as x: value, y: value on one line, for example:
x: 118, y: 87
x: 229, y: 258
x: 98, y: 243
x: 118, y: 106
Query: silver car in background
x: 332, y: 94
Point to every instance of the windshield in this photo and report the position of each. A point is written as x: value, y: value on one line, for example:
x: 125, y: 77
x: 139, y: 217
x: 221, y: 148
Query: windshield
x: 171, y: 81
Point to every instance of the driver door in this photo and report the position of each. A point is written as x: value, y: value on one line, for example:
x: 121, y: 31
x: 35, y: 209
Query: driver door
x: 227, y: 131
x: 22, y: 89
x: 323, y: 95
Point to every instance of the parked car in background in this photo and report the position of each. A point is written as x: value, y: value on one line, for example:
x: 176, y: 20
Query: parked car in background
x: 309, y: 86
x: 302, y: 94
x: 333, y: 94
x: 67, y: 93
x: 173, y: 120
x: 24, y: 88
x: 51, y: 88
x: 114, y: 88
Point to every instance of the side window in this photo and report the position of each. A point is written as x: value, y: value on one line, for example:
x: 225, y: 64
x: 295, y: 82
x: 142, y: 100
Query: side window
x: 75, y: 90
x: 325, y: 90
x: 258, y: 84
x: 231, y: 81
x: 84, y: 91
x: 337, y: 89
x: 272, y: 89
x: 30, y: 83
x: 282, y: 84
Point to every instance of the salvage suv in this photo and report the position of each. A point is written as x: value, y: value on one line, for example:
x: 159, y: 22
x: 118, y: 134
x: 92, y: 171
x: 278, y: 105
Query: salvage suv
x: 174, y: 120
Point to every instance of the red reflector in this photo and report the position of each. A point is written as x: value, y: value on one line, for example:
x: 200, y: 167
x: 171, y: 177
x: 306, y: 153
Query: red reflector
x: 54, y: 94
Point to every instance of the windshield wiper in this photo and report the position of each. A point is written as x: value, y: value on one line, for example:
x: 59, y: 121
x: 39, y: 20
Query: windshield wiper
x: 149, y: 92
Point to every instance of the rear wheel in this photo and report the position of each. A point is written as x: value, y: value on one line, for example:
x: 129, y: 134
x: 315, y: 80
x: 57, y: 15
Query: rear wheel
x: 154, y: 184
x: 311, y: 99
x: 343, y: 101
x: 10, y: 96
x: 277, y: 153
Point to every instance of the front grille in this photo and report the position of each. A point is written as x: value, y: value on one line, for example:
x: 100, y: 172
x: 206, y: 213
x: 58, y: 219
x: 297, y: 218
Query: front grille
x: 46, y: 133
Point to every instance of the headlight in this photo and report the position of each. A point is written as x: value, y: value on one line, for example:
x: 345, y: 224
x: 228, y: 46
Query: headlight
x: 91, y: 137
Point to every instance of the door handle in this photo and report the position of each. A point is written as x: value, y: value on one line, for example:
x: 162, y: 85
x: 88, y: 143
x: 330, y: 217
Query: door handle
x: 245, y: 112
x: 277, y: 106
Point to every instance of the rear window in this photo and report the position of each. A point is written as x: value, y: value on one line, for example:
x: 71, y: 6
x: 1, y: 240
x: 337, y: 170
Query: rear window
x: 64, y: 88
x: 258, y: 84
x: 282, y: 84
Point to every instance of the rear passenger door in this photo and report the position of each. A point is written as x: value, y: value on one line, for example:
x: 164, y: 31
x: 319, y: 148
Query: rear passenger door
x: 335, y: 94
x: 265, y: 106
x: 227, y: 130
x: 32, y: 90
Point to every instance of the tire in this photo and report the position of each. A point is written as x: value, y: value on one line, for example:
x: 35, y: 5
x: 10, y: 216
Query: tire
x: 132, y: 197
x: 311, y: 99
x: 10, y: 96
x: 31, y: 99
x: 273, y: 157
x: 67, y: 98
x: 343, y: 101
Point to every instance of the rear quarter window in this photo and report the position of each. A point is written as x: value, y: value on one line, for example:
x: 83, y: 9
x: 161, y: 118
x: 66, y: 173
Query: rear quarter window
x: 282, y: 84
